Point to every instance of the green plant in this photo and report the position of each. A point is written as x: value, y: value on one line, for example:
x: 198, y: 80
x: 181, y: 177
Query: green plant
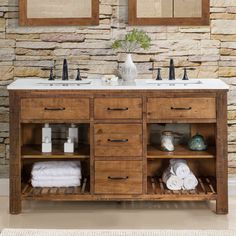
x: 134, y: 40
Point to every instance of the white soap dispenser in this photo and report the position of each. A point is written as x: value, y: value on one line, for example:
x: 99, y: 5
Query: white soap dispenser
x: 46, y: 145
x: 46, y: 133
x: 69, y: 146
x: 73, y: 134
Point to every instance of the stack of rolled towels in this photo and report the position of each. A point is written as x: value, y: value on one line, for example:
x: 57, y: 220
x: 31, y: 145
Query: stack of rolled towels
x: 179, y: 176
x: 56, y: 174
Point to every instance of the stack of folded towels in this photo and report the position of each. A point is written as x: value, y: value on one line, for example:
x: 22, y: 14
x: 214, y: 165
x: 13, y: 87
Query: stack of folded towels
x: 178, y: 176
x: 56, y: 174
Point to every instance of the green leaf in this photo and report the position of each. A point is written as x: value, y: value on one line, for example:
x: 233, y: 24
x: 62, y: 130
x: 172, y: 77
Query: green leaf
x: 132, y: 41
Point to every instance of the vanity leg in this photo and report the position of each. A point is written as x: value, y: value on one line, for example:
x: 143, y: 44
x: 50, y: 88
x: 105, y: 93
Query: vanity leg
x: 15, y: 154
x: 221, y: 155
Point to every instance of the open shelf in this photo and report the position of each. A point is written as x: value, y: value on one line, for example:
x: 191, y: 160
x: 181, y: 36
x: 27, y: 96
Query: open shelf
x: 34, y: 151
x: 180, y: 152
x: 204, y: 191
x: 69, y: 193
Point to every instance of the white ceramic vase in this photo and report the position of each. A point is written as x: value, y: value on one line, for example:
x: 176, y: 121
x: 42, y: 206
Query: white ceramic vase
x: 129, y: 70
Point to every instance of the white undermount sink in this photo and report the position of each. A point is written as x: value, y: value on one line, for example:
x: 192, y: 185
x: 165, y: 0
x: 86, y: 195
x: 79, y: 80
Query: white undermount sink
x: 54, y: 83
x: 173, y: 82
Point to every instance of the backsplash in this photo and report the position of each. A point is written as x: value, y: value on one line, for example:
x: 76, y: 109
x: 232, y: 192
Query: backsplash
x: 30, y: 51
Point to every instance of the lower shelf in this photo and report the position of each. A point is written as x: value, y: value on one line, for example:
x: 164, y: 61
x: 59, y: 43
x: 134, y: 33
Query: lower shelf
x: 29, y: 192
x: 157, y: 191
x: 206, y: 190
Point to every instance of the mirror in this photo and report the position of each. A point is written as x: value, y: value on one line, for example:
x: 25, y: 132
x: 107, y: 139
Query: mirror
x: 169, y: 12
x: 58, y: 12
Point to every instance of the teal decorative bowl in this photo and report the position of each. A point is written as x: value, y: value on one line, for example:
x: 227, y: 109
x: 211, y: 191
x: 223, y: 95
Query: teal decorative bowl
x: 197, y: 143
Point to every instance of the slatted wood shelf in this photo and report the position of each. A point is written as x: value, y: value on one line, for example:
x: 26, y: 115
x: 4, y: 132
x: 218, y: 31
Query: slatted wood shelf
x: 69, y: 193
x: 34, y: 151
x: 180, y: 152
x: 206, y: 190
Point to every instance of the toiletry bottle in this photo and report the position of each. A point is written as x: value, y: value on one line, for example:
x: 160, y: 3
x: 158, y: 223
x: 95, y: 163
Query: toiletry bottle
x: 69, y: 146
x: 73, y: 134
x: 46, y: 145
x: 46, y: 133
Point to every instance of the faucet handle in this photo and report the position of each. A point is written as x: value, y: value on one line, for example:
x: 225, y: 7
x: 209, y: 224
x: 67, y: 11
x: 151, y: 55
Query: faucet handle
x: 78, y: 77
x: 51, y: 76
x: 158, y: 74
x: 185, y: 77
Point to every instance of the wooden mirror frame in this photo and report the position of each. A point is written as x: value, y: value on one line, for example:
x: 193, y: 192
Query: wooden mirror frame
x: 134, y: 20
x: 83, y: 21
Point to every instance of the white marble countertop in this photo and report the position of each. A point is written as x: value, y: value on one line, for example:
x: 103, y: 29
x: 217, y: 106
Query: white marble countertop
x: 98, y: 84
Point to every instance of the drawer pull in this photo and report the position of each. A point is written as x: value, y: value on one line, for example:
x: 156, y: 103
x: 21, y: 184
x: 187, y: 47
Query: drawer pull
x: 118, y: 140
x: 181, y: 108
x: 118, y: 109
x: 118, y: 177
x: 54, y: 108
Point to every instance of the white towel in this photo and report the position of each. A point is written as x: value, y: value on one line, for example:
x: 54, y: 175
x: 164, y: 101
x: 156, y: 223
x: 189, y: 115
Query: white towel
x: 190, y: 182
x: 72, y: 177
x: 73, y: 182
x: 56, y: 168
x: 172, y: 181
x: 180, y: 168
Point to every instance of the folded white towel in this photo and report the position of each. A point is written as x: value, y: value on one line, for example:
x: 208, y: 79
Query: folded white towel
x: 180, y: 168
x: 190, y: 182
x: 67, y: 178
x: 172, y: 181
x: 56, y: 183
x: 56, y: 168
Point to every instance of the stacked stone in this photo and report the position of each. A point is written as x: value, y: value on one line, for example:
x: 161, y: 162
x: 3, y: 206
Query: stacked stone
x: 28, y: 52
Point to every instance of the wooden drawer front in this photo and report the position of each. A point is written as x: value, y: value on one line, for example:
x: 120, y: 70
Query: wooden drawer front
x: 114, y: 140
x: 178, y: 108
x: 118, y: 108
x: 118, y: 177
x: 55, y: 108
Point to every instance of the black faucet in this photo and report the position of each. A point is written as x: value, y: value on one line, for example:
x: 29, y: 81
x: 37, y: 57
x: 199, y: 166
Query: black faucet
x: 65, y: 70
x: 171, y: 70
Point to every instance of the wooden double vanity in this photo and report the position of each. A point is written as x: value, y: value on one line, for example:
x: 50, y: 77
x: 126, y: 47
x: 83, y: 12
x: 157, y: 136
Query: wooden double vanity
x: 120, y: 160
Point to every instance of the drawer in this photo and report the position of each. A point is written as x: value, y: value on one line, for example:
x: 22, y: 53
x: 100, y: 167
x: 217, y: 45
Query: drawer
x: 118, y: 177
x: 118, y: 108
x: 55, y: 108
x: 118, y: 140
x: 180, y: 108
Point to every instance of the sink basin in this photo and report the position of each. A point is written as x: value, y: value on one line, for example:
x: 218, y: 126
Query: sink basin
x: 64, y: 83
x: 174, y: 82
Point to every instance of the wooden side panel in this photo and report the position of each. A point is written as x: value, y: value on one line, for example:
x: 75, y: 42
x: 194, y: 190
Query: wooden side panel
x: 118, y: 177
x: 54, y: 108
x: 180, y: 108
x: 118, y: 108
x: 15, y: 163
x: 115, y: 140
x: 222, y: 155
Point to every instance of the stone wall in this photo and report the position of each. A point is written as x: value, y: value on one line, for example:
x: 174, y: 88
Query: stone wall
x: 29, y: 51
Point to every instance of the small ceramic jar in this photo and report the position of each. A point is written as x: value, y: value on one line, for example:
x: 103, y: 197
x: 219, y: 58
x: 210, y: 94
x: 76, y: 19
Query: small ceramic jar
x: 167, y: 141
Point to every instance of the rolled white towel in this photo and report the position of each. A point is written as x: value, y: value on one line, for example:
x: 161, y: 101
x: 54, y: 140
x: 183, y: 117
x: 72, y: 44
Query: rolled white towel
x: 56, y: 183
x: 179, y: 168
x: 190, y: 182
x: 172, y: 181
x: 56, y: 168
